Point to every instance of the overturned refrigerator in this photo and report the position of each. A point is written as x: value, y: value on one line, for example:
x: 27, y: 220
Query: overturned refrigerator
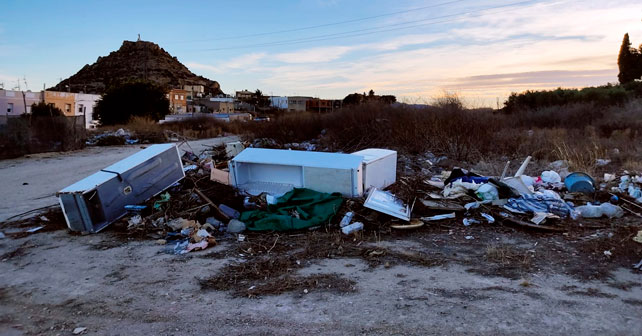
x: 98, y: 200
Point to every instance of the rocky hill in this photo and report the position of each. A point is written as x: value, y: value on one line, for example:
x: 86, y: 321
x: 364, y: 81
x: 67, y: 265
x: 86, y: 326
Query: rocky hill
x: 140, y: 60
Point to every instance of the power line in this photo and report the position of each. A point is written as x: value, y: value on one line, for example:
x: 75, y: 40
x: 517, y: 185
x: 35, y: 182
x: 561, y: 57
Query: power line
x: 375, y: 30
x: 325, y: 24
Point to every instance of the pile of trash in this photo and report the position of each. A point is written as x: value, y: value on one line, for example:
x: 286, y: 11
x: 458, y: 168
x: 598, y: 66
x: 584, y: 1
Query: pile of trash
x: 189, y: 201
x: 536, y: 202
x: 116, y: 138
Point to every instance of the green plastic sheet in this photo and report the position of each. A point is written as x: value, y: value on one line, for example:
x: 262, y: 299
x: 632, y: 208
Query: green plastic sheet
x: 312, y: 208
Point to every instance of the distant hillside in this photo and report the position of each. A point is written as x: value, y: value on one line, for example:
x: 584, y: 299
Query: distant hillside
x: 139, y: 60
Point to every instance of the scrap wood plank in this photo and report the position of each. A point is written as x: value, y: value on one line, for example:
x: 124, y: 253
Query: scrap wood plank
x: 520, y: 223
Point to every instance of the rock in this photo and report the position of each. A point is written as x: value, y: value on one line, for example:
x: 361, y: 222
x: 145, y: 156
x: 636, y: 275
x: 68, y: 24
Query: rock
x: 79, y: 330
x: 235, y: 226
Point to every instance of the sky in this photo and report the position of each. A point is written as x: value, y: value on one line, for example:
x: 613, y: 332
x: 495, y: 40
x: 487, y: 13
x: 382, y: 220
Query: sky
x: 415, y: 50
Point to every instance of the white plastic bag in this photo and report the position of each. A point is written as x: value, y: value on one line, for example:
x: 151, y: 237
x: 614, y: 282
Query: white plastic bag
x: 550, y: 176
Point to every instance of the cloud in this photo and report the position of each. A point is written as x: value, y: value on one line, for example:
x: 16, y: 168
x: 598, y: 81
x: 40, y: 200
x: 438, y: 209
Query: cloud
x: 314, y: 55
x: 243, y: 63
x: 544, y: 46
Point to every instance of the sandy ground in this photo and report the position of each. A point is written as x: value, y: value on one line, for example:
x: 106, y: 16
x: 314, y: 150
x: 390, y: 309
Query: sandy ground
x: 113, y: 286
x: 31, y: 182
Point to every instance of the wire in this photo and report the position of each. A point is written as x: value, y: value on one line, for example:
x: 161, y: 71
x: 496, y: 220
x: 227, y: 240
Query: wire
x: 379, y: 29
x: 325, y: 24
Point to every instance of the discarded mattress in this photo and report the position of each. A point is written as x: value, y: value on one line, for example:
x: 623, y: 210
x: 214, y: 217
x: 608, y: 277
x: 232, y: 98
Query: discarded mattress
x: 98, y: 200
x: 298, y: 209
x: 277, y: 171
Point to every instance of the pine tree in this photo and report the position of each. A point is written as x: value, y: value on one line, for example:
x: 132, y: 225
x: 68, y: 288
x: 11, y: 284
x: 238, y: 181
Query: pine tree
x: 629, y: 62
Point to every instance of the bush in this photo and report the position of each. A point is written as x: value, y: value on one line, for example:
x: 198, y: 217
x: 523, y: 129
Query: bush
x: 122, y: 102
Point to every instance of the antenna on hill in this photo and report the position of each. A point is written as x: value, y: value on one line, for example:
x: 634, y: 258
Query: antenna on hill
x: 138, y: 37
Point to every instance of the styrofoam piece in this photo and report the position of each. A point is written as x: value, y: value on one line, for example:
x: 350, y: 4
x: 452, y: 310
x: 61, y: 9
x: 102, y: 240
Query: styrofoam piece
x: 257, y: 170
x: 233, y: 149
x: 379, y: 167
x: 98, y: 200
x: 387, y: 203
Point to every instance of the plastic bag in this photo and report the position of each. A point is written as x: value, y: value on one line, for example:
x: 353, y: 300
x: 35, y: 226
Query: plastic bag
x: 550, y: 176
x: 487, y: 192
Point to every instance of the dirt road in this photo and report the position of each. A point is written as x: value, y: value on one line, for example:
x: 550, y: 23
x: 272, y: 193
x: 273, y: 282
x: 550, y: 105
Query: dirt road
x: 31, y: 182
x: 54, y: 282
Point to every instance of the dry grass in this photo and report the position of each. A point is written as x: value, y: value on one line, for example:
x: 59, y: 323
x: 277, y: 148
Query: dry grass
x: 579, y: 133
x: 508, y: 256
x: 580, y: 158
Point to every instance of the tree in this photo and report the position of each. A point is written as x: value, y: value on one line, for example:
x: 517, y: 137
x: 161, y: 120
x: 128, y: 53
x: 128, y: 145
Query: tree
x: 629, y: 62
x: 388, y: 99
x: 43, y: 109
x: 371, y: 97
x: 259, y: 100
x: 353, y: 99
x: 142, y: 99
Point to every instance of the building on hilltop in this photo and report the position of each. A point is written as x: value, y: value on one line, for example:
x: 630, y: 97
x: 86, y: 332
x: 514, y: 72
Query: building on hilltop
x: 177, y: 100
x: 244, y: 95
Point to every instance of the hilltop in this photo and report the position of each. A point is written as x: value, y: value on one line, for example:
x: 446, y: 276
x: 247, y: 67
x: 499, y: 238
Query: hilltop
x: 139, y: 60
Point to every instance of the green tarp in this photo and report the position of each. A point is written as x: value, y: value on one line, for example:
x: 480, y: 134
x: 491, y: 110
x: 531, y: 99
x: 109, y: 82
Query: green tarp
x: 313, y: 209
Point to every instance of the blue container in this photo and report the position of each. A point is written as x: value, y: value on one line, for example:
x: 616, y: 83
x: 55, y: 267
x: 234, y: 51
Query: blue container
x: 580, y: 182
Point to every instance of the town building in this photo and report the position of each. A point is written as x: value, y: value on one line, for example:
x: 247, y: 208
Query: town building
x: 194, y: 91
x: 85, y: 105
x: 244, y: 95
x: 14, y: 103
x: 323, y: 105
x: 297, y: 103
x: 279, y: 102
x: 65, y: 101
x: 177, y: 100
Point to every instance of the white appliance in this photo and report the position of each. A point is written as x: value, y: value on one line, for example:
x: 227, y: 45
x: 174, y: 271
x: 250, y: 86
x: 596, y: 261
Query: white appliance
x: 379, y: 167
x: 98, y: 200
x: 277, y: 171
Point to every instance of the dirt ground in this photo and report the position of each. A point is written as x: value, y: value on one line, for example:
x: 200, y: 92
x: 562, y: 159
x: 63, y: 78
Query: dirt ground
x: 30, y: 182
x: 442, y: 278
x: 433, y: 280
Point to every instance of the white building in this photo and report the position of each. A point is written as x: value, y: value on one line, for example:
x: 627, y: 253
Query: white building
x: 279, y: 102
x: 85, y: 104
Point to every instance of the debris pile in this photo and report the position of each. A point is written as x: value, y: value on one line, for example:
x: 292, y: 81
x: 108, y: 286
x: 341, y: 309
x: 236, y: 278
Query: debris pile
x: 230, y: 191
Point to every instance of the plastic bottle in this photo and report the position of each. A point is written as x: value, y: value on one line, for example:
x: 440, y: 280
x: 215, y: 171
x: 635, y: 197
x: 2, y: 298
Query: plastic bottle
x: 354, y: 227
x: 596, y: 211
x: 345, y: 221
